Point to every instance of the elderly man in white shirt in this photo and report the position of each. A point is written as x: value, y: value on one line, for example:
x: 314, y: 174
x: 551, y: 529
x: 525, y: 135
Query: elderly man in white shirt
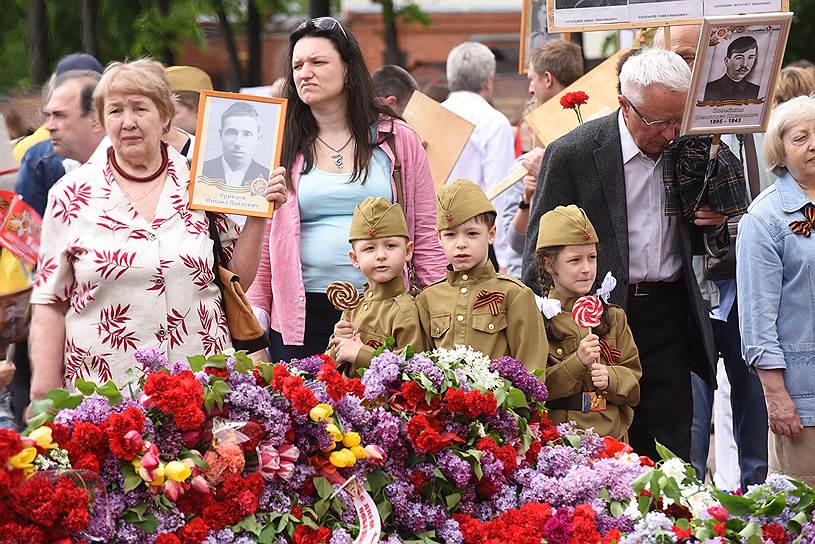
x: 490, y: 149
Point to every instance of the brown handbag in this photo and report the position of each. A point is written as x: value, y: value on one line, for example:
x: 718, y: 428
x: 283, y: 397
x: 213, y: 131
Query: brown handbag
x: 244, y: 328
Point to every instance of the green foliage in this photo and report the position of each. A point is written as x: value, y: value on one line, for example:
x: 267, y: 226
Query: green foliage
x: 802, y: 33
x: 156, y: 32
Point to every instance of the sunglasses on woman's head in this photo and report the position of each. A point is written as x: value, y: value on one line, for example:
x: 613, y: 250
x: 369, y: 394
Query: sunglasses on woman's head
x: 324, y: 23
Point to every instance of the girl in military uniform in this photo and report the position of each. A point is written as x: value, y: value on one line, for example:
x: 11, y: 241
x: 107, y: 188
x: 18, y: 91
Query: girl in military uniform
x: 593, y: 375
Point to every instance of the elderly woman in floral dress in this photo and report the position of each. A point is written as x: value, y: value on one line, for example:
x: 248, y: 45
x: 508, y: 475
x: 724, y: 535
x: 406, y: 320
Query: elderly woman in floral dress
x: 124, y: 261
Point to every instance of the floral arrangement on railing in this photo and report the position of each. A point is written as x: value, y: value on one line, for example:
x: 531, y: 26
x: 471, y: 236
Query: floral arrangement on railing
x: 440, y: 447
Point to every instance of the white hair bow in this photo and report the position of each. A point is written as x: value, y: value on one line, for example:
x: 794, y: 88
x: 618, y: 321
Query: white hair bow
x: 608, y: 285
x: 550, y: 307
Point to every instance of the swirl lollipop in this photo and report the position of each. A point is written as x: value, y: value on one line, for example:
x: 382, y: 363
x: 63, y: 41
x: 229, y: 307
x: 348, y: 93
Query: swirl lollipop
x: 587, y: 311
x: 343, y: 295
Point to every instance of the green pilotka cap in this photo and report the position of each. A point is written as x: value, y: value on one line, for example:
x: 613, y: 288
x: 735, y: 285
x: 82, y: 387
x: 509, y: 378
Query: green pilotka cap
x: 458, y: 202
x: 375, y: 217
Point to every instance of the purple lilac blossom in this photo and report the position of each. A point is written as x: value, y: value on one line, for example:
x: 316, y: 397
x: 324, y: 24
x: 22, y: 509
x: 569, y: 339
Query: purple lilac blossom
x: 168, y: 439
x: 419, y: 364
x: 450, y: 532
x: 130, y: 534
x: 456, y: 469
x: 177, y: 367
x: 111, y: 472
x: 340, y: 536
x: 463, y: 382
x: 512, y: 370
x: 274, y: 499
x: 309, y: 365
x: 505, y: 498
x: 150, y: 359
x: 92, y: 410
x: 102, y: 525
x: 616, y: 475
x: 557, y: 460
x: 168, y: 520
x: 249, y: 400
x: 352, y: 414
x: 392, y: 539
x: 383, y: 371
x: 399, y: 493
x: 505, y: 424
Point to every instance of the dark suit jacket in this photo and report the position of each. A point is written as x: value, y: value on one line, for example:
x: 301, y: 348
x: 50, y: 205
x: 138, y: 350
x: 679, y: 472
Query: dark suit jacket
x: 214, y: 169
x: 725, y: 88
x: 585, y: 167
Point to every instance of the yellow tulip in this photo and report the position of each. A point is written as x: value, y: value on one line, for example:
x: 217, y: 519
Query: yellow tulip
x: 159, y: 476
x: 342, y: 458
x: 42, y: 436
x: 177, y: 471
x: 349, y: 440
x: 335, y: 432
x: 359, y: 452
x: 321, y: 412
x: 23, y: 459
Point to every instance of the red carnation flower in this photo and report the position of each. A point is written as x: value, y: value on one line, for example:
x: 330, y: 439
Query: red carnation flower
x: 167, y: 538
x: 612, y: 537
x: 681, y: 533
x: 775, y: 533
x: 194, y: 532
x: 573, y: 100
x: 180, y: 396
x: 719, y: 513
x: 472, y: 404
x: 119, y: 425
x: 304, y: 534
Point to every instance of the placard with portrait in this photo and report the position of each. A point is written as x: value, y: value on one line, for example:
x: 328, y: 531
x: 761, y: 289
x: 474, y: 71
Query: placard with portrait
x: 738, y: 60
x: 238, y: 143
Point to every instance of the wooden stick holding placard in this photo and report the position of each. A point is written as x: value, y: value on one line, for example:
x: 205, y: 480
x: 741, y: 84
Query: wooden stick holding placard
x: 510, y: 180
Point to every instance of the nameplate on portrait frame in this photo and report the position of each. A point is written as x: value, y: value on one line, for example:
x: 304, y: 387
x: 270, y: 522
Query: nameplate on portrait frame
x: 238, y: 142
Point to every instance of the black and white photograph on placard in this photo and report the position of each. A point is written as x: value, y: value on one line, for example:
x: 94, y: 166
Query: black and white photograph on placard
x: 238, y: 145
x: 534, y: 31
x: 588, y: 12
x: 737, y: 64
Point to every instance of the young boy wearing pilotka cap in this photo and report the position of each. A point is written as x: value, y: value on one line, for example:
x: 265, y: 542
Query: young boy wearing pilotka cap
x: 493, y: 313
x: 380, y: 247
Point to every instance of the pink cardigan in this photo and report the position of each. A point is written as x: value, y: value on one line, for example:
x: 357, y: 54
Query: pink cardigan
x: 278, y: 289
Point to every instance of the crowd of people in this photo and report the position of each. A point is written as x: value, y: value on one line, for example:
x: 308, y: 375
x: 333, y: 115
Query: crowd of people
x: 125, y: 262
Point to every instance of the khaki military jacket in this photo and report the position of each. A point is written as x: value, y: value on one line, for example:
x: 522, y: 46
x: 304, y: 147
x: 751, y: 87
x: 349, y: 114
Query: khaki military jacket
x: 494, y: 314
x: 386, y: 310
x: 567, y: 376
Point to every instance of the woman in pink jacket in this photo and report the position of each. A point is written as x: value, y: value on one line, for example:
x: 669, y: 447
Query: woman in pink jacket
x: 337, y: 149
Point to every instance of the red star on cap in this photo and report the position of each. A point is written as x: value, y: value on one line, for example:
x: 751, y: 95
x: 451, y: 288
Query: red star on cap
x: 448, y: 217
x: 372, y: 233
x: 586, y: 236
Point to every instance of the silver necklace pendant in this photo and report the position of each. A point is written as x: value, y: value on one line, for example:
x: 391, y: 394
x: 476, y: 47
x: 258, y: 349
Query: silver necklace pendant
x: 338, y: 160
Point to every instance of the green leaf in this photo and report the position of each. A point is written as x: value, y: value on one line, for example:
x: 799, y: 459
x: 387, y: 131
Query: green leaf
x: 377, y: 480
x: 249, y: 524
x: 385, y: 509
x: 573, y: 440
x: 41, y: 406
x: 199, y: 462
x: 243, y: 363
x: 37, y: 421
x: 221, y: 387
x: 268, y: 534
x: 664, y: 452
x: 604, y: 494
x: 58, y: 396
x: 737, y: 505
x: 616, y: 509
x: 85, y: 387
x: 149, y: 525
x: 321, y: 507
x: 452, y: 500
x: 197, y: 362
x: 324, y: 489
x: 643, y: 503
x: 132, y: 480
x: 500, y: 396
x: 516, y: 399
x: 111, y: 392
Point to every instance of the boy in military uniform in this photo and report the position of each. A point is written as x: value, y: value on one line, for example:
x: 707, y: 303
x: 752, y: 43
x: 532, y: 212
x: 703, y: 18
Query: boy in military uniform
x: 494, y: 314
x: 380, y: 247
x: 593, y: 375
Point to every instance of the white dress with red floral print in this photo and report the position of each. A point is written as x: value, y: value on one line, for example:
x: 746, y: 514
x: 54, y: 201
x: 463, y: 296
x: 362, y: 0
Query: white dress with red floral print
x: 128, y: 283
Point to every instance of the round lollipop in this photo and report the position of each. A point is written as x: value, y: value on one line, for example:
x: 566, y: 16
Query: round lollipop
x: 587, y: 311
x: 343, y: 295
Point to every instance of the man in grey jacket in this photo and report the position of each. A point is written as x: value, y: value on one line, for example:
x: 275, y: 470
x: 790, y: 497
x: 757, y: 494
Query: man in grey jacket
x: 612, y: 168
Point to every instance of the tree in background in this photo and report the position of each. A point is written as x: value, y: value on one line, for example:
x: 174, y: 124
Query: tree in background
x: 802, y: 33
x: 408, y: 12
